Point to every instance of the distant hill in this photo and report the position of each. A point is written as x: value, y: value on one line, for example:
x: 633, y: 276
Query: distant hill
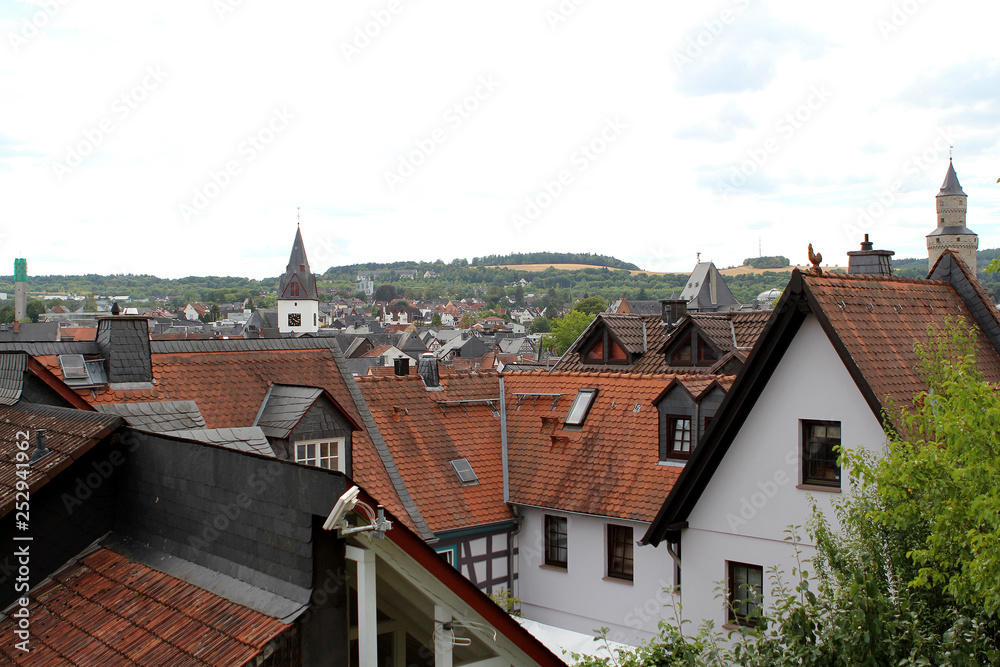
x: 585, y: 258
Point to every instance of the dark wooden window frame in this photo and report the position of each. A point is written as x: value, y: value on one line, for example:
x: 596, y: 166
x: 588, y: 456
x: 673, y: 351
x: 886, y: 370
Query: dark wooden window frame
x: 556, y: 526
x: 739, y: 594
x: 606, y: 339
x: 620, y: 552
x: 670, y: 431
x: 811, y: 462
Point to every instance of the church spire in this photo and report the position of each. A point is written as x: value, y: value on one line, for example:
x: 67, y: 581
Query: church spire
x: 298, y: 281
x: 951, y: 186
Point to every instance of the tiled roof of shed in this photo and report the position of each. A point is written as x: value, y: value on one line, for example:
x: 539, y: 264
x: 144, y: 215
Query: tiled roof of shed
x: 426, y: 430
x: 880, y: 318
x: 244, y: 439
x: 610, y: 466
x: 107, y: 610
x: 69, y: 434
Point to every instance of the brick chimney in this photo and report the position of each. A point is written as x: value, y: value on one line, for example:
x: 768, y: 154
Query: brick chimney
x: 866, y: 260
x: 123, y: 342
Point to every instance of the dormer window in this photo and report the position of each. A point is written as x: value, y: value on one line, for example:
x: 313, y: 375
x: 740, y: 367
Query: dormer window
x: 295, y: 289
x: 604, y: 349
x: 581, y: 406
x: 678, y: 436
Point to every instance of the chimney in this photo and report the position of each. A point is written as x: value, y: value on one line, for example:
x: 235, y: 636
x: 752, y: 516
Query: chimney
x: 866, y: 260
x: 123, y: 342
x: 672, y: 310
x: 41, y: 451
x: 428, y: 369
x: 401, y: 366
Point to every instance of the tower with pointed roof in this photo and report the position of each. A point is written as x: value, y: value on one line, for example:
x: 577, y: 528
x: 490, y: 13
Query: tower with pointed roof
x: 951, y: 231
x: 298, y: 298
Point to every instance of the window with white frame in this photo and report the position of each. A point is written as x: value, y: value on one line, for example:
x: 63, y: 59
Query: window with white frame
x: 327, y: 454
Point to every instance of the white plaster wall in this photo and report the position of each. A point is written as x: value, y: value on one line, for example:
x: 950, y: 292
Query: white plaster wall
x: 581, y: 598
x: 307, y: 307
x: 752, y: 498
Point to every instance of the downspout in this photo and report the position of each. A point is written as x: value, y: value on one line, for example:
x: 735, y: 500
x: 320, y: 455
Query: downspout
x: 673, y: 554
x: 503, y: 442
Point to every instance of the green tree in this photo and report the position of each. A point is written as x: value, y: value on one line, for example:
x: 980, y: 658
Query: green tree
x: 540, y: 325
x: 566, y: 330
x: 90, y: 303
x: 436, y: 320
x: 591, y: 305
x: 7, y: 314
x: 33, y: 309
x: 385, y: 293
x: 214, y: 313
x: 519, y: 295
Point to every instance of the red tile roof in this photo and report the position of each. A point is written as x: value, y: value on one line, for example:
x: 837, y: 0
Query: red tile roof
x: 107, y: 610
x: 377, y: 351
x: 879, y: 319
x: 229, y: 387
x: 69, y: 434
x: 78, y: 333
x: 610, y: 467
x: 424, y: 433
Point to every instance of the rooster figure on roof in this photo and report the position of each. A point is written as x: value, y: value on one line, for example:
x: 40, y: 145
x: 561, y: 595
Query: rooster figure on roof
x: 815, y: 258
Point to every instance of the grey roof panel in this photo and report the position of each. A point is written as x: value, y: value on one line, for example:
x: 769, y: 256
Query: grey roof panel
x: 12, y: 367
x: 244, y: 439
x: 951, y: 186
x: 284, y: 406
x: 161, y: 416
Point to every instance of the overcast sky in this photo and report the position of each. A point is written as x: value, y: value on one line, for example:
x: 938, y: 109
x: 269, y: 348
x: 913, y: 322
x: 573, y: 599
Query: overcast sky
x: 180, y: 138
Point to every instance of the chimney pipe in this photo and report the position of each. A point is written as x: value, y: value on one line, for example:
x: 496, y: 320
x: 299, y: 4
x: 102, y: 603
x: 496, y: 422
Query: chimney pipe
x: 401, y: 366
x: 869, y: 261
x: 41, y: 451
x: 672, y: 310
x: 428, y: 369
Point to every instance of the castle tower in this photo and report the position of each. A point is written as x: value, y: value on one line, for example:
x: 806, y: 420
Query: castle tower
x: 298, y: 299
x: 20, y: 289
x: 951, y: 231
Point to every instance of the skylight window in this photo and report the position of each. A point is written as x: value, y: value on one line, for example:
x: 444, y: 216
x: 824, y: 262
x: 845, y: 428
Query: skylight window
x: 466, y: 475
x: 73, y: 367
x: 581, y: 406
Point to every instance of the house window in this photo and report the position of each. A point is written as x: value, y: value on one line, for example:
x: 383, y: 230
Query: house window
x: 819, y: 458
x: 678, y: 436
x: 327, y: 454
x: 746, y: 592
x: 294, y: 319
x: 448, y: 556
x: 706, y: 353
x: 682, y: 355
x: 555, y: 541
x: 581, y: 406
x: 620, y: 552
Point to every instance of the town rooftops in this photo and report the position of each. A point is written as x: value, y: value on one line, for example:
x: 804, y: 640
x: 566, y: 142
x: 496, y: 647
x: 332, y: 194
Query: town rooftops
x: 874, y: 323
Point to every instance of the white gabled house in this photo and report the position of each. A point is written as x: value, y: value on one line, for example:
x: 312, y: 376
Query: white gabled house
x: 836, y: 348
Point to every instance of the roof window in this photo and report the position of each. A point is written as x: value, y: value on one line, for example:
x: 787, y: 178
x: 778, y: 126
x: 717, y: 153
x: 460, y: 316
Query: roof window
x: 466, y: 475
x: 580, y: 407
x: 73, y: 367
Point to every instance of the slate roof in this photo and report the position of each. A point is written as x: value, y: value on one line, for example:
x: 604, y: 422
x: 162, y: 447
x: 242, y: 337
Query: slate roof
x: 609, y: 467
x: 12, y: 367
x: 298, y: 272
x: 104, y: 609
x: 283, y: 408
x: 157, y: 416
x: 637, y: 334
x: 124, y: 344
x: 70, y: 433
x: 244, y: 439
x: 698, y: 290
x: 228, y: 380
x: 426, y: 430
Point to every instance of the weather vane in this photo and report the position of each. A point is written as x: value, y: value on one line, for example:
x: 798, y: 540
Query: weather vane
x: 298, y: 216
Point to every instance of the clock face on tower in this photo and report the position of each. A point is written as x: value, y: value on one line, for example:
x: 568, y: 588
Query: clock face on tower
x: 294, y: 319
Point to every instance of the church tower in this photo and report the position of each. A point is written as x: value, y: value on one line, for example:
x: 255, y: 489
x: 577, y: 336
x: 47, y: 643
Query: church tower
x: 951, y: 231
x: 298, y: 299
